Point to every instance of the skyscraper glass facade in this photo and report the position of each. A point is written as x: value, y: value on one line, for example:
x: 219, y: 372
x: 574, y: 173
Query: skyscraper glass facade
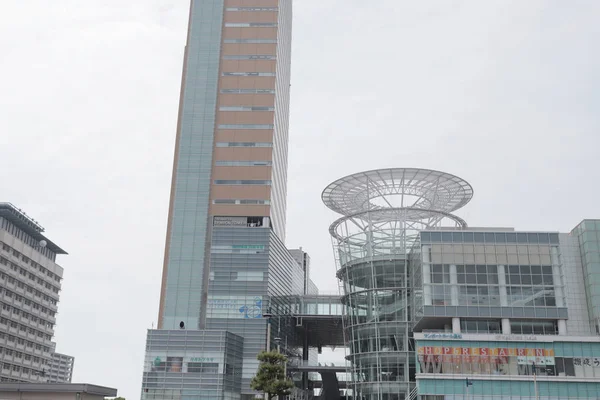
x: 588, y: 236
x: 181, y: 297
x: 225, y: 262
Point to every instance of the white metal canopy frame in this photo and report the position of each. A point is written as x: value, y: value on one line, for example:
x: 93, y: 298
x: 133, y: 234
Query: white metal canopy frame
x: 397, y: 187
x: 383, y: 212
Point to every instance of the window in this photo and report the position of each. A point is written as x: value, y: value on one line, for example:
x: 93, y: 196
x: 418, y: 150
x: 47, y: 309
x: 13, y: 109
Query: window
x: 243, y: 163
x: 248, y: 91
x: 250, y: 57
x: 533, y: 327
x: 250, y: 24
x: 480, y: 326
x: 244, y: 144
x: 243, y: 201
x: 245, y: 108
x: 242, y: 182
x: 203, y: 368
x: 251, y: 9
x: 250, y: 41
x: 248, y: 74
x: 246, y: 126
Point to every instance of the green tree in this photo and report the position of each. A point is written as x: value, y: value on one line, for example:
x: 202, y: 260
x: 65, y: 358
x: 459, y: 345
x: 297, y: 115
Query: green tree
x: 270, y: 377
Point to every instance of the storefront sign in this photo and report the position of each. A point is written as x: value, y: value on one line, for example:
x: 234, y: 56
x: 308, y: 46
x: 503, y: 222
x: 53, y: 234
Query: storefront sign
x: 527, y: 338
x: 587, y: 362
x: 485, y: 355
x: 442, y: 336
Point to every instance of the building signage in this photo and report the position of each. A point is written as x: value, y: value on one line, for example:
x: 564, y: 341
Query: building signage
x: 230, y: 221
x: 528, y: 338
x: 234, y: 307
x: 247, y: 247
x: 484, y: 355
x: 442, y: 336
x: 587, y: 362
x: 202, y: 359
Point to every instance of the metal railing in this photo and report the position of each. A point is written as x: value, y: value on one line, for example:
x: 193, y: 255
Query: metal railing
x: 413, y: 393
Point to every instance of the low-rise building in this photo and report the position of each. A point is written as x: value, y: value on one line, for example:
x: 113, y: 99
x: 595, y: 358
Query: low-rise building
x: 54, y: 391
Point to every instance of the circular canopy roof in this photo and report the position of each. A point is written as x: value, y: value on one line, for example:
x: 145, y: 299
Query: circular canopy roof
x: 397, y: 187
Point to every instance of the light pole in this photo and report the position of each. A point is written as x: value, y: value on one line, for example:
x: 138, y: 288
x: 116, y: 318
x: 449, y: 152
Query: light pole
x: 535, y: 388
x: 268, y: 316
x: 468, y: 383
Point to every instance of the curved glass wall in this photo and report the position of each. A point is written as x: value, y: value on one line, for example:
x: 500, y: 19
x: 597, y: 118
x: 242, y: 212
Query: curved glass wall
x: 383, y: 211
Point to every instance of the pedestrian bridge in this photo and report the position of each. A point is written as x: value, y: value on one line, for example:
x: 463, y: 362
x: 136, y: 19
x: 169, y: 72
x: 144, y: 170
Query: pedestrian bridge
x: 310, y: 366
x: 317, y: 318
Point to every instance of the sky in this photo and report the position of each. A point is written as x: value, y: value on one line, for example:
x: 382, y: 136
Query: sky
x: 505, y: 94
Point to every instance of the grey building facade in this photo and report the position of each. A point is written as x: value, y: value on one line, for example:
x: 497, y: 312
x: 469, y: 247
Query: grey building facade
x: 303, y: 259
x: 30, y: 281
x: 192, y: 364
x: 61, y: 367
x: 251, y: 272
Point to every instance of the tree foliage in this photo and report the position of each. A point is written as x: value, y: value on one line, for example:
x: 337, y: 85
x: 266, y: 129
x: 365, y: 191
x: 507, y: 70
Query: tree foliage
x: 270, y: 377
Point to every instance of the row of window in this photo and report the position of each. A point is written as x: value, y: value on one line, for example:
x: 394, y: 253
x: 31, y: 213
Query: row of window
x: 29, y: 261
x: 23, y: 328
x: 242, y: 182
x: 24, y: 342
x: 516, y: 296
x: 257, y: 41
x: 248, y: 91
x: 488, y: 274
x: 489, y: 237
x: 250, y: 24
x: 232, y: 276
x: 245, y: 108
x: 246, y: 126
x: 250, y: 57
x: 248, y: 74
x: 17, y: 311
x: 242, y: 201
x: 18, y: 368
x: 225, y: 163
x: 29, y: 289
x: 251, y: 9
x: 517, y: 327
x: 244, y: 144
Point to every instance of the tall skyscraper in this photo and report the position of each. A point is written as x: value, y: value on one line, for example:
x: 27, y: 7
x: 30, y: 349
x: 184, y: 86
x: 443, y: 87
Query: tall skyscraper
x: 232, y: 140
x: 225, y: 261
x: 30, y: 281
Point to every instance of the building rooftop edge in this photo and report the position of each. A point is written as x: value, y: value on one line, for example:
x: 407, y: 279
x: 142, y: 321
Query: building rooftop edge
x: 28, y: 225
x: 59, y: 388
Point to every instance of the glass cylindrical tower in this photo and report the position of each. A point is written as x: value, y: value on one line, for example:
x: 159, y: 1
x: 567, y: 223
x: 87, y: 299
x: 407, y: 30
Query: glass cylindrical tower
x: 382, y: 213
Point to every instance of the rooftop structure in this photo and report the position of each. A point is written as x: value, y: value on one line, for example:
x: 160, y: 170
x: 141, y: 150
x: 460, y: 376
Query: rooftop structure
x: 55, y: 391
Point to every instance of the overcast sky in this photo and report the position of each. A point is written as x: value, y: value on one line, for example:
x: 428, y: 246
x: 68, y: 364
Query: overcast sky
x: 505, y: 94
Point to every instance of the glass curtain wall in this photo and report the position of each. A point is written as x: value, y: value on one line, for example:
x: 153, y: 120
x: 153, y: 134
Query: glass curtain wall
x: 383, y: 212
